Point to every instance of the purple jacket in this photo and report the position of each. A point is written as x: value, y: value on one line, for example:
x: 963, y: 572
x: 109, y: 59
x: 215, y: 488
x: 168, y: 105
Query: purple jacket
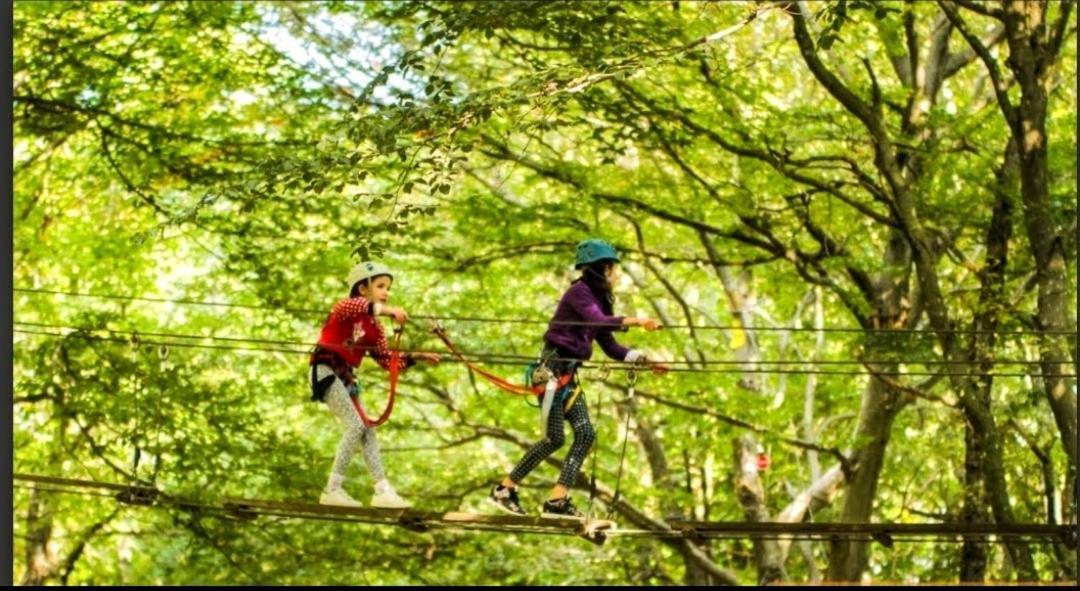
x: 580, y: 304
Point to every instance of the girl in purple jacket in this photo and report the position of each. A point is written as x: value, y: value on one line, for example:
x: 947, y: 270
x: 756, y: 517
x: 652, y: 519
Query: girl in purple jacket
x: 584, y: 314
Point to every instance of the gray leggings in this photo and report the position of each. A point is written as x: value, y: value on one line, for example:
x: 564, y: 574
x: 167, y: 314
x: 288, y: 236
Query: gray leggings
x: 356, y: 433
x: 584, y: 436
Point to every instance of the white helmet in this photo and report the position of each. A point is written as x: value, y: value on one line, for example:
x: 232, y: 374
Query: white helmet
x: 367, y: 270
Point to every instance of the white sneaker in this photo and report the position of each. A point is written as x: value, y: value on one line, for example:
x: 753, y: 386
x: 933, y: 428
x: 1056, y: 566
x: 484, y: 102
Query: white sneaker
x: 338, y: 497
x: 389, y: 499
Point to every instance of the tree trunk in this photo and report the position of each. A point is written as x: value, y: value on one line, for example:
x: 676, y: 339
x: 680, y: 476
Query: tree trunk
x: 1032, y: 52
x: 880, y: 405
x: 1054, y: 313
x: 696, y: 573
x: 973, y: 557
x: 742, y: 339
x: 768, y: 555
x: 973, y: 389
x: 809, y: 434
x: 40, y: 562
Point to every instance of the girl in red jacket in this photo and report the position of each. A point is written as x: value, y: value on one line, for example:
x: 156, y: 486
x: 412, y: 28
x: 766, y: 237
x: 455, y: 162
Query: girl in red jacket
x: 350, y: 331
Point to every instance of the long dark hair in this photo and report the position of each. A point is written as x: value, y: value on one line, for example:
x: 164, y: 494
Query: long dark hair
x: 593, y: 275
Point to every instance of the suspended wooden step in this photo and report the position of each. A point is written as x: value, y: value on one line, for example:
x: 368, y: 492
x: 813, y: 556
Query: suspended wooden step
x: 596, y: 531
x: 593, y: 530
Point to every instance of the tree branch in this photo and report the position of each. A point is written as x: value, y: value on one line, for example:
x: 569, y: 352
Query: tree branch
x: 913, y: 53
x: 955, y: 62
x: 76, y: 552
x: 832, y: 451
x: 777, y: 162
x: 833, y: 84
x: 913, y: 391
x: 1000, y: 89
x: 62, y: 107
x: 127, y: 182
x: 936, y: 57
x: 982, y: 7
x: 1059, y: 29
x: 32, y: 398
x: 502, y: 152
x: 812, y: 498
x: 548, y: 247
x: 672, y: 291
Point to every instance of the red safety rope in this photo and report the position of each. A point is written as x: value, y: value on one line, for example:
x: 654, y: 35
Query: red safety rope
x: 494, y: 379
x: 395, y: 367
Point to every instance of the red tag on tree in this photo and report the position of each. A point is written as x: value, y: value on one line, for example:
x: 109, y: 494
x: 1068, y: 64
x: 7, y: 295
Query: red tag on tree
x: 762, y: 461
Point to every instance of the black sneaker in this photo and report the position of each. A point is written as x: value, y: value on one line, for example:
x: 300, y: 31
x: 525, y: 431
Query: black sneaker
x: 506, y: 499
x: 561, y: 508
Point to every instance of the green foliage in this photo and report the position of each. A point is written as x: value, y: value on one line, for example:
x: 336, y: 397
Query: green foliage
x: 251, y: 152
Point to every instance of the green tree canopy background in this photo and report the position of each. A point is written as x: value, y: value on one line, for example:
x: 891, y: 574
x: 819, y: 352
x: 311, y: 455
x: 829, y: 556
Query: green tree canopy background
x: 903, y: 169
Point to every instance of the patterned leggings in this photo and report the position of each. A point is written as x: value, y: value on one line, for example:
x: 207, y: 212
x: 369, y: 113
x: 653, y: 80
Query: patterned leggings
x: 584, y: 436
x: 356, y: 433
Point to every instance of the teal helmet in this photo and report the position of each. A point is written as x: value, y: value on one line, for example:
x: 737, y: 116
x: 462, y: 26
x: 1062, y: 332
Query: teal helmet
x: 592, y: 250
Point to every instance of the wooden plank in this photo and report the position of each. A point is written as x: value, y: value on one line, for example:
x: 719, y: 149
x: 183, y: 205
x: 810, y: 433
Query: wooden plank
x: 73, y: 482
x: 430, y: 518
x: 366, y: 512
x: 420, y: 520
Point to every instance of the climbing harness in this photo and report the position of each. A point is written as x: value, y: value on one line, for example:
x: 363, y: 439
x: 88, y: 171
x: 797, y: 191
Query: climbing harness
x: 543, y: 372
x: 341, y: 371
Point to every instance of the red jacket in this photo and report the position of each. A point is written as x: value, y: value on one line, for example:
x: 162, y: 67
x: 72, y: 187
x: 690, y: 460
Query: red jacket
x: 351, y: 330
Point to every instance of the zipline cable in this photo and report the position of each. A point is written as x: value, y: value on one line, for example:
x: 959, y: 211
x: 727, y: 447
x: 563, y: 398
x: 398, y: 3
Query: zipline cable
x: 501, y: 360
x: 490, y: 355
x: 538, y: 321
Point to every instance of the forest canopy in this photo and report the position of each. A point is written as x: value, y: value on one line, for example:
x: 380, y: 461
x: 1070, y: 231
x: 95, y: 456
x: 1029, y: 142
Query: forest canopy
x: 856, y: 220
